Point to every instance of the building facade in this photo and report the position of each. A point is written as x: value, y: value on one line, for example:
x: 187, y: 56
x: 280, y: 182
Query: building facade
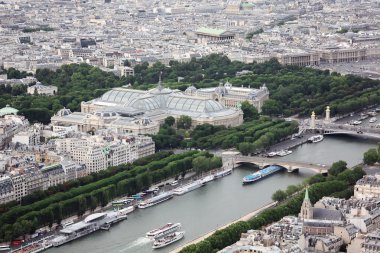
x: 213, y: 36
x: 141, y: 112
x: 97, y: 153
x: 230, y: 96
x: 29, y: 137
x: 368, y: 187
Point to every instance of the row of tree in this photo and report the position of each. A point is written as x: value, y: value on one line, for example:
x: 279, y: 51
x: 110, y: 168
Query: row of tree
x: 334, y: 186
x: 252, y: 136
x: 87, y: 197
x: 93, y: 177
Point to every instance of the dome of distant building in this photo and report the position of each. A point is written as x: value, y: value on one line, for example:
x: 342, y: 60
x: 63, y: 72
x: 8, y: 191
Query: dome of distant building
x: 41, y: 89
x: 190, y: 89
x: 350, y: 35
x: 63, y: 112
x: 221, y: 90
x: 7, y: 110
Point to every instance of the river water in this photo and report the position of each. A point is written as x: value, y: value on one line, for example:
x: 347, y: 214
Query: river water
x: 216, y: 204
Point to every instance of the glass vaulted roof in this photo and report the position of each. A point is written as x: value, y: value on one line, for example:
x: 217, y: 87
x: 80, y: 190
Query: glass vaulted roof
x: 193, y: 104
x: 145, y: 103
x: 120, y: 96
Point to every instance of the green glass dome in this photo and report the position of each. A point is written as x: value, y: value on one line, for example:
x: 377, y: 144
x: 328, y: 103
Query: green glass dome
x: 8, y: 110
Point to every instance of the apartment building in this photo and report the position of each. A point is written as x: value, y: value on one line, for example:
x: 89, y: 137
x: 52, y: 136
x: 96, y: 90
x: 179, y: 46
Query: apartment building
x: 98, y: 153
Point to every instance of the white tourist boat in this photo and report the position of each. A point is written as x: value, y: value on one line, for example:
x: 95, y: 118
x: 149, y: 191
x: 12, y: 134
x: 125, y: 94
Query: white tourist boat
x: 188, y: 187
x: 126, y: 210
x: 315, y: 138
x: 167, y: 229
x: 169, y: 239
x: 223, y: 173
x: 155, y: 200
x: 208, y: 178
x: 272, y: 154
x: 284, y: 152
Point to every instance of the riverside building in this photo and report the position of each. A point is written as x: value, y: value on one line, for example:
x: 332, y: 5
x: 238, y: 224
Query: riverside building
x: 98, y: 152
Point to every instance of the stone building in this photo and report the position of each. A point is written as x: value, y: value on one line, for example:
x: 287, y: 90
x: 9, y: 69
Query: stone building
x: 98, y: 153
x: 213, y: 36
x: 29, y: 137
x: 367, y: 187
x: 6, y: 189
x: 41, y: 89
x: 319, y: 221
x: 141, y: 112
x: 92, y: 121
x: 231, y: 96
x: 369, y: 243
x: 54, y: 173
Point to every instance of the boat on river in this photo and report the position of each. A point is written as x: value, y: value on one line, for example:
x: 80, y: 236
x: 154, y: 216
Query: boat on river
x: 90, y: 224
x: 315, y: 138
x: 188, y: 187
x: 372, y: 120
x: 223, y: 173
x: 167, y: 229
x: 5, y: 248
x: 284, y: 152
x: 155, y: 200
x: 272, y: 154
x: 208, y: 178
x: 261, y: 174
x: 169, y: 239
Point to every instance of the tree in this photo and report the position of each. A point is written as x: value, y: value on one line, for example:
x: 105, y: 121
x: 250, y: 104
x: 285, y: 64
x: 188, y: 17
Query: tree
x: 127, y: 63
x: 169, y: 121
x: 371, y: 156
x: 184, y: 122
x: 201, y: 164
x: 291, y: 189
x: 337, y: 168
x: 245, y: 148
x: 250, y: 112
x: 316, y: 179
x: 271, y: 107
x: 279, y: 195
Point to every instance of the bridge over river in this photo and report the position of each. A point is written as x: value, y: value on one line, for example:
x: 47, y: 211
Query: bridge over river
x: 331, y: 126
x: 233, y: 158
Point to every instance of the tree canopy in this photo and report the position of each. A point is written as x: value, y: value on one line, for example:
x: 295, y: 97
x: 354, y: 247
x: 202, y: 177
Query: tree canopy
x: 371, y: 156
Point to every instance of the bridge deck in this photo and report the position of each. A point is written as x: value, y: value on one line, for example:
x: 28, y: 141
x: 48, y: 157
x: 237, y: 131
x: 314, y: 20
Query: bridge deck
x: 261, y: 161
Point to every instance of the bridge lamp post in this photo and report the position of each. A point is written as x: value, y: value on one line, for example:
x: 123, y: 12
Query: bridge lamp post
x: 312, y: 120
x: 327, y: 115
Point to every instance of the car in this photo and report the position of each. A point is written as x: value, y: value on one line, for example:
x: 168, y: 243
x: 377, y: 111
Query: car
x: 174, y: 183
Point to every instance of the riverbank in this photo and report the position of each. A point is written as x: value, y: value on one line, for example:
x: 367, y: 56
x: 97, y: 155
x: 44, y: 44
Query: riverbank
x: 244, y: 218
x: 290, y: 143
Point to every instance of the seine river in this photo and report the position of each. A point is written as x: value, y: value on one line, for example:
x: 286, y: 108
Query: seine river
x: 218, y: 203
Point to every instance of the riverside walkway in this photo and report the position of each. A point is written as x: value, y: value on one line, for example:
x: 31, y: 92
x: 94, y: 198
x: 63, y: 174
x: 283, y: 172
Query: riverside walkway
x: 244, y: 218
